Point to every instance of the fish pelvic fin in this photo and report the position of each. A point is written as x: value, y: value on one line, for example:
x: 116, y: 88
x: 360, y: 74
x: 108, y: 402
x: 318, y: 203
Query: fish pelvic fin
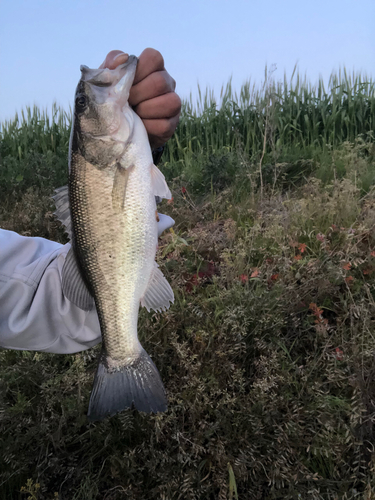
x: 134, y: 384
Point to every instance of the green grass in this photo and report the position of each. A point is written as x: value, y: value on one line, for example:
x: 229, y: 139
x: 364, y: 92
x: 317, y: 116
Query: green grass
x: 268, y: 352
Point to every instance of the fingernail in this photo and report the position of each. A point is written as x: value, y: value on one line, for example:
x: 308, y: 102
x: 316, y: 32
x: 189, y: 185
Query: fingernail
x: 121, y: 58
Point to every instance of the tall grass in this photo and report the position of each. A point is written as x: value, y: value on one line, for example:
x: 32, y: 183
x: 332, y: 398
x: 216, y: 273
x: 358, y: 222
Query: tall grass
x: 278, y: 122
x: 303, y: 115
x: 35, y: 129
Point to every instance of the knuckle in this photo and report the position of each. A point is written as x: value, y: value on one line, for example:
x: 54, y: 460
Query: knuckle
x: 163, y: 131
x: 165, y: 128
x: 175, y: 103
x: 154, y: 56
x: 160, y: 83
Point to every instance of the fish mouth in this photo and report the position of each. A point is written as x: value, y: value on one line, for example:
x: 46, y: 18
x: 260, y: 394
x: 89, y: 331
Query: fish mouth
x: 105, y: 77
x: 127, y: 72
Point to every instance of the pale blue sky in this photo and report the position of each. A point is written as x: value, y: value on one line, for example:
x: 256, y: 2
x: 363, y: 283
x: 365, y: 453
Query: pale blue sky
x: 43, y: 43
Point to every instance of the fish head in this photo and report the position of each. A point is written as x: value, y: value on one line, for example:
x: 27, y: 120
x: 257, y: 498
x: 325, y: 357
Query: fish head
x: 103, y: 120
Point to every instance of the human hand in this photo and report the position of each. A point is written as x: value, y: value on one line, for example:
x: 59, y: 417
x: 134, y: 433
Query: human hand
x: 152, y: 95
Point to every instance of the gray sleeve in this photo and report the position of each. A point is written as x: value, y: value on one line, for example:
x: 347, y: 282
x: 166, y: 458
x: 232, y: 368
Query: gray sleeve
x: 34, y: 313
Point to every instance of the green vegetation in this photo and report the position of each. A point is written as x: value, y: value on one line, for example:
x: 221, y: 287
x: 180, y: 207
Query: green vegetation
x: 268, y: 352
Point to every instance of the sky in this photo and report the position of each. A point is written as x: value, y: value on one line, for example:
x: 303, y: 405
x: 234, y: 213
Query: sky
x: 44, y: 42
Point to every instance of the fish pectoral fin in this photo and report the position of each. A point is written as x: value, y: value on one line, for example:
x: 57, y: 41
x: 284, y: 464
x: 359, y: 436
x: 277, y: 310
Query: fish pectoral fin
x: 61, y: 199
x: 73, y: 285
x: 119, y: 188
x: 159, y: 184
x: 159, y: 293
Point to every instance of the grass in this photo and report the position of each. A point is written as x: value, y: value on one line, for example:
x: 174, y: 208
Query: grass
x: 267, y: 354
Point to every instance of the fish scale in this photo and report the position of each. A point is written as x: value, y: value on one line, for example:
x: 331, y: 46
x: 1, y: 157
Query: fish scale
x: 112, y: 189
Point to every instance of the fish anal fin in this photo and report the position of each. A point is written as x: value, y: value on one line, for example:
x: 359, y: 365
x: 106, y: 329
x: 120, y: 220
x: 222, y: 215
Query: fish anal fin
x: 159, y: 184
x: 159, y: 293
x: 61, y: 199
x: 119, y: 187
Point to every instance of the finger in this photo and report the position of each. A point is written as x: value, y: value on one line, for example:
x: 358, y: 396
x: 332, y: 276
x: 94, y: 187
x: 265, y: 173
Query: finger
x: 148, y: 62
x: 114, y: 59
x: 159, y: 131
x: 164, y: 106
x: 154, y: 85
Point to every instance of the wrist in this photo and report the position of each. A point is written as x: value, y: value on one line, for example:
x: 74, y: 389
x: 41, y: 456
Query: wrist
x: 157, y: 154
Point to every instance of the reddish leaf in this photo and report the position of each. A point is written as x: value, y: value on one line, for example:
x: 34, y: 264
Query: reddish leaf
x: 373, y: 253
x: 349, y: 280
x: 346, y: 266
x: 297, y: 257
x: 316, y: 310
x: 255, y: 273
x: 302, y: 247
x: 274, y: 277
x: 244, y: 278
x: 338, y: 354
x: 183, y: 190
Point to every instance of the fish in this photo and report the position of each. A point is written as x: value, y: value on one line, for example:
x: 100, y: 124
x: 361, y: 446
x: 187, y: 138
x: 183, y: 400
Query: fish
x: 109, y: 208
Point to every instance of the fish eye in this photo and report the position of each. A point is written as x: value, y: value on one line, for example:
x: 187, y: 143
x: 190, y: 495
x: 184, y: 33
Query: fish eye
x: 81, y: 102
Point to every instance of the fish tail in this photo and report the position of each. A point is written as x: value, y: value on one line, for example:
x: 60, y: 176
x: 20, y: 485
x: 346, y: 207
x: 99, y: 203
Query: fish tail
x: 137, y: 383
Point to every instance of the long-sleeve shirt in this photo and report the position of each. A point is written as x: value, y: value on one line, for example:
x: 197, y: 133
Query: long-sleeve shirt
x: 34, y: 313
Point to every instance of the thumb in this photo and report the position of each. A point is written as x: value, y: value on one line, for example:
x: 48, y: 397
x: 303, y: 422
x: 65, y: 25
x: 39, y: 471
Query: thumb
x: 114, y: 59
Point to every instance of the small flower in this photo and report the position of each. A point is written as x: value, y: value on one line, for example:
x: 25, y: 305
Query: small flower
x: 244, y: 278
x: 183, y: 190
x: 320, y: 237
x: 302, y: 247
x: 297, y: 257
x: 274, y: 277
x: 347, y: 266
x: 349, y: 280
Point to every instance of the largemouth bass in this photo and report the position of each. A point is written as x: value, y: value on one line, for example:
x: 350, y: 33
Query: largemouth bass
x: 112, y: 187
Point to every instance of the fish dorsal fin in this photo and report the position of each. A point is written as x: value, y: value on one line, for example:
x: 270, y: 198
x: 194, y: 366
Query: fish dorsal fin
x: 119, y: 188
x: 159, y: 184
x: 159, y: 293
x: 73, y: 285
x: 61, y: 199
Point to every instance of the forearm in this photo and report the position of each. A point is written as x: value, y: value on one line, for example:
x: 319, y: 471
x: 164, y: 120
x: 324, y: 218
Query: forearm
x: 34, y: 313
